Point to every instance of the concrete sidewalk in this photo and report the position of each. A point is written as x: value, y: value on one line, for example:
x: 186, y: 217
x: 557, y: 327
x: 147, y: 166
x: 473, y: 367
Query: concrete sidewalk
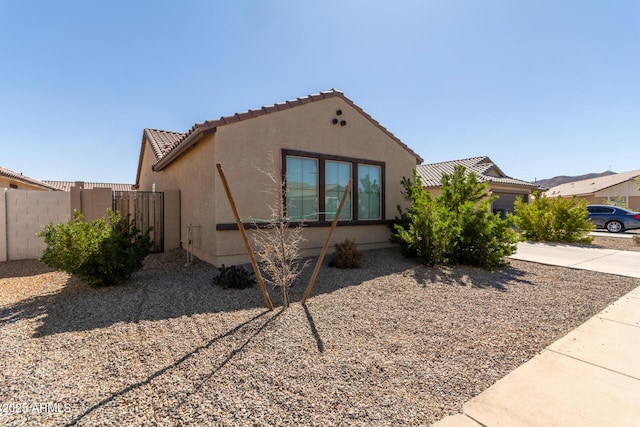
x: 589, y: 378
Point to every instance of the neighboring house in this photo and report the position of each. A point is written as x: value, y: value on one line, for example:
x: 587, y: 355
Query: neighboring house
x: 17, y: 181
x: 317, y: 142
x: 619, y: 189
x: 66, y: 185
x: 506, y: 188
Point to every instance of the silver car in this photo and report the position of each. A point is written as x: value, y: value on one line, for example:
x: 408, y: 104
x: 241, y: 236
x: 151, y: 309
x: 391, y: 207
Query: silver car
x: 613, y: 218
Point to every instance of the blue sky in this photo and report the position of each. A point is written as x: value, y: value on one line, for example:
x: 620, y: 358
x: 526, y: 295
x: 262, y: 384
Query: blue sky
x: 544, y: 88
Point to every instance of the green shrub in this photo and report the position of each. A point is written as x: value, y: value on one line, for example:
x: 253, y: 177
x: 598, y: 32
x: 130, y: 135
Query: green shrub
x: 104, y: 252
x: 425, y: 230
x: 346, y: 255
x: 554, y: 219
x: 456, y: 227
x: 234, y: 277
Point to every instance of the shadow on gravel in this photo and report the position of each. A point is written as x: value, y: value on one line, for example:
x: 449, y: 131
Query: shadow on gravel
x: 314, y: 330
x: 165, y: 288
x: 471, y: 276
x: 10, y: 269
x: 176, y: 365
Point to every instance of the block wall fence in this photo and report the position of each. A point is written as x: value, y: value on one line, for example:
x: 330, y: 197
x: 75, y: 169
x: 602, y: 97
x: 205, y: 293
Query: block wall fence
x: 23, y: 213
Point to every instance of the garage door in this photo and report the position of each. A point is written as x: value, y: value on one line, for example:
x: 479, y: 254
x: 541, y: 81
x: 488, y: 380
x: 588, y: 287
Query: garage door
x: 505, y: 201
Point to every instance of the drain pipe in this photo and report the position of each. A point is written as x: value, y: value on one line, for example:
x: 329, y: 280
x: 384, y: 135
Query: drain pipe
x: 190, y: 244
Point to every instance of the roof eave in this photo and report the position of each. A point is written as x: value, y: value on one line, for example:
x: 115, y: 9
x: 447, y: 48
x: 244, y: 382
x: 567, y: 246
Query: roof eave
x: 189, y: 142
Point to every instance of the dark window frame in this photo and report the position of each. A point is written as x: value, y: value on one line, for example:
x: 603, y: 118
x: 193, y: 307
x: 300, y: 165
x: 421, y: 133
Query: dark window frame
x: 322, y: 159
x: 322, y: 221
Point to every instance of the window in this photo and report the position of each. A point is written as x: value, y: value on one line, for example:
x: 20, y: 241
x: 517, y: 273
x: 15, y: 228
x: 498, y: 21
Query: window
x: 13, y: 186
x: 336, y: 178
x: 617, y: 201
x: 315, y: 185
x: 302, y: 188
x: 369, y: 199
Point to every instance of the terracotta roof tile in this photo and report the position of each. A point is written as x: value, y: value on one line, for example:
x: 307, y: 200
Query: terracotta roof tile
x: 66, y: 185
x: 431, y: 174
x: 162, y: 141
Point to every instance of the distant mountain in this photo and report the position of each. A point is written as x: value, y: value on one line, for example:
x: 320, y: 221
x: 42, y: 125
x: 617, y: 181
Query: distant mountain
x: 563, y: 179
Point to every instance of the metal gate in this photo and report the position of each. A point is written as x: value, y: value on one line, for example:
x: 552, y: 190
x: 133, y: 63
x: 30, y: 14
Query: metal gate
x: 147, y: 209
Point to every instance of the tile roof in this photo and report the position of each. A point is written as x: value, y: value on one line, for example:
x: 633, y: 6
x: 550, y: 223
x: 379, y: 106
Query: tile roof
x: 483, y: 167
x: 16, y: 176
x: 169, y: 145
x: 66, y: 185
x: 591, y: 185
x: 161, y: 141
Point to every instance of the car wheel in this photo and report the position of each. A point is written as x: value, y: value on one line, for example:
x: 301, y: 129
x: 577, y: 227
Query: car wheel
x: 615, y: 227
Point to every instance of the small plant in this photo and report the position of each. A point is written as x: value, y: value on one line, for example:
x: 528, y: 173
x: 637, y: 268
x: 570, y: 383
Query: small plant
x: 234, y: 277
x: 636, y: 240
x: 279, y: 242
x: 346, y: 255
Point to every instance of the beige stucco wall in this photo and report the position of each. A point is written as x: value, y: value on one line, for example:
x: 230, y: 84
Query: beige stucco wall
x: 243, y: 148
x: 147, y: 177
x: 171, y: 219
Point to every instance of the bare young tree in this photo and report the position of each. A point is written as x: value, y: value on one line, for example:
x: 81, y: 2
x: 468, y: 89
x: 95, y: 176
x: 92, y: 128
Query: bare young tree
x: 278, y: 243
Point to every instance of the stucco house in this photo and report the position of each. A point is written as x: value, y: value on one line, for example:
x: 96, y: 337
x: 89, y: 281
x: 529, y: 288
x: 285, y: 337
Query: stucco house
x: 17, y: 181
x: 499, y: 184
x: 619, y: 189
x: 316, y: 143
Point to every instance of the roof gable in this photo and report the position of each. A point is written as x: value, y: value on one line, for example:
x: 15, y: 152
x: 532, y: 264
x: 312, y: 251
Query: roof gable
x: 170, y: 145
x: 591, y: 185
x: 482, y: 166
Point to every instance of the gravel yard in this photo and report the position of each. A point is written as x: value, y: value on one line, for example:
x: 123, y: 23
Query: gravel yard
x: 392, y: 343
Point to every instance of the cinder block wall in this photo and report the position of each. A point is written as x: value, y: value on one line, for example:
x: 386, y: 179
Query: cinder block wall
x: 25, y: 213
x: 3, y: 225
x: 92, y: 203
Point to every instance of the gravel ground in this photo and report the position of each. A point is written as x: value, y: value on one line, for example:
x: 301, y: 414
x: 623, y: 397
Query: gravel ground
x: 392, y: 343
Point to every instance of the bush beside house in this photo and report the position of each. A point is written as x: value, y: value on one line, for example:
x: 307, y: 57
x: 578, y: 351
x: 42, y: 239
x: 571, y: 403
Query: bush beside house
x: 457, y: 227
x: 104, y: 252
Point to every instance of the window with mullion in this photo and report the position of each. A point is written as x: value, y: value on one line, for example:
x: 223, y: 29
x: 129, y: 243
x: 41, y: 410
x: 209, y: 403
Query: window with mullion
x: 369, y: 194
x: 315, y: 185
x: 302, y: 188
x: 337, y: 175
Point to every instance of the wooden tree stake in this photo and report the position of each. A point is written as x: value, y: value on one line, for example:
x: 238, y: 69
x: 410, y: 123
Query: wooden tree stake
x: 243, y: 233
x: 316, y: 269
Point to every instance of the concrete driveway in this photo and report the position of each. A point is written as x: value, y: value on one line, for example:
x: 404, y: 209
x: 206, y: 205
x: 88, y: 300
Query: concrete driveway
x: 622, y: 263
